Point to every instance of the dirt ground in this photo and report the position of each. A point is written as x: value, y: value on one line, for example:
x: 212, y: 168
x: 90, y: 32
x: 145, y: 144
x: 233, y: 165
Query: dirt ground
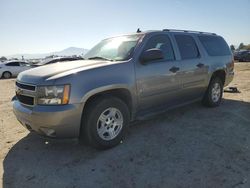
x: 192, y: 146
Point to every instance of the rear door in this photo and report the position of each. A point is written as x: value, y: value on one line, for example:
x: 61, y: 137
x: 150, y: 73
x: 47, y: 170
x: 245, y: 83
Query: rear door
x: 158, y: 82
x: 193, y: 68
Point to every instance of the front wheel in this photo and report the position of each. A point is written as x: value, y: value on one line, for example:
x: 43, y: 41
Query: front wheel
x: 105, y: 122
x: 213, y: 95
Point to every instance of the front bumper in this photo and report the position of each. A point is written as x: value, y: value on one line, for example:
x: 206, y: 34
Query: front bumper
x: 52, y: 121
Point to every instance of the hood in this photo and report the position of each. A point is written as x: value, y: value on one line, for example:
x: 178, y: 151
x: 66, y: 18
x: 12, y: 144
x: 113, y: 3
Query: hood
x: 50, y: 72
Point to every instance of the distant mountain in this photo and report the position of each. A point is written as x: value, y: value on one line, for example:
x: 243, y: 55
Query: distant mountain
x: 66, y: 52
x: 71, y: 51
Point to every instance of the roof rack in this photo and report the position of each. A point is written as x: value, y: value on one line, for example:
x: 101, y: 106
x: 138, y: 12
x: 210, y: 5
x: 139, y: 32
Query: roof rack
x: 188, y: 31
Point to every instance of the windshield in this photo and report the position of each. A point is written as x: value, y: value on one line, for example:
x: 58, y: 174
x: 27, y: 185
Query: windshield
x: 114, y: 49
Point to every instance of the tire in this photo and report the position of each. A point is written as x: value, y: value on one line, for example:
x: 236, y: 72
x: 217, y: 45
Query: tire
x: 213, y: 95
x: 108, y: 131
x: 6, y: 75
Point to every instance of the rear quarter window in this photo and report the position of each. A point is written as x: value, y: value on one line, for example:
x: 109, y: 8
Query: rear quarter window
x: 215, y: 45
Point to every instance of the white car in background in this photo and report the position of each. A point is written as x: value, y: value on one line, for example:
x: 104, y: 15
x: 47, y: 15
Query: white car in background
x: 10, y: 69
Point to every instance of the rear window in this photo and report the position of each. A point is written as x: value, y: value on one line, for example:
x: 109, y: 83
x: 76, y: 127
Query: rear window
x: 215, y: 45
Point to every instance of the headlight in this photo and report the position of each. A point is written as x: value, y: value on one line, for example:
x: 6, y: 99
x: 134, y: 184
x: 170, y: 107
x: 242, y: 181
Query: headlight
x: 53, y: 95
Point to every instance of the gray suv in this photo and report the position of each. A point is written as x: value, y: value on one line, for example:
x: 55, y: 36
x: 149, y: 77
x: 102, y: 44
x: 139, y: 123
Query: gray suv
x: 120, y: 80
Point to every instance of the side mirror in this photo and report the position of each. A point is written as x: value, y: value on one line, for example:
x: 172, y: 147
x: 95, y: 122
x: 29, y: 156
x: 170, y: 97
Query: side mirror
x: 151, y: 55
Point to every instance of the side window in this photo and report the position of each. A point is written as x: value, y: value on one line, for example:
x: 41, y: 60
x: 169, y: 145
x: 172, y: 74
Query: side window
x: 163, y: 43
x: 214, y: 45
x: 12, y: 64
x: 187, y: 47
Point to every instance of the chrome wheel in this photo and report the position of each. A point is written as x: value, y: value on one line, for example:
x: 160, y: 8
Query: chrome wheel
x: 216, y: 92
x: 109, y: 123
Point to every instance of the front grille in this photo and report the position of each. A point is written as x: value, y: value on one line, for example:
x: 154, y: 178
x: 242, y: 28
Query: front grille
x: 26, y: 86
x: 25, y: 99
x: 25, y: 93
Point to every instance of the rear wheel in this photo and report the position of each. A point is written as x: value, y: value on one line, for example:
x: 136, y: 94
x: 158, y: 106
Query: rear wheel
x: 105, y: 122
x: 213, y: 95
x: 6, y: 75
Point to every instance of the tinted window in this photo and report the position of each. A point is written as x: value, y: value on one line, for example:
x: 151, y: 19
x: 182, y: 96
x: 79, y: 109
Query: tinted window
x: 13, y: 64
x: 163, y: 43
x: 187, y: 47
x: 215, y: 45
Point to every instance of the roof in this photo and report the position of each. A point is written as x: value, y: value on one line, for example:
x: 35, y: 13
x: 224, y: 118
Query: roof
x: 188, y: 31
x: 179, y: 31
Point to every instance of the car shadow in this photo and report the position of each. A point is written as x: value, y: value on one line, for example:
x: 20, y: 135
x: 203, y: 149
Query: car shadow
x: 190, y: 146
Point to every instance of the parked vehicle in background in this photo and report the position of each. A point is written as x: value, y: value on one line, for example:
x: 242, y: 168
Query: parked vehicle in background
x: 56, y: 60
x: 123, y: 79
x: 245, y: 57
x: 10, y: 69
x: 238, y: 55
x: 3, y: 59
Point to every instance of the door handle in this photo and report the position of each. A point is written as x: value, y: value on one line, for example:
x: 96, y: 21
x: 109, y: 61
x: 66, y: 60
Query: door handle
x: 200, y: 65
x: 174, y: 69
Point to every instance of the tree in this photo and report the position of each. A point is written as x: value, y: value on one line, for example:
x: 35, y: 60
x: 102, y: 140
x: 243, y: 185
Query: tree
x: 241, y: 46
x: 247, y: 47
x: 3, y: 58
x: 232, y: 48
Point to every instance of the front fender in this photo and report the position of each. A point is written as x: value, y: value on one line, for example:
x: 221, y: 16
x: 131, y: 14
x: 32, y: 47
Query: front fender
x: 103, y: 89
x: 108, y: 88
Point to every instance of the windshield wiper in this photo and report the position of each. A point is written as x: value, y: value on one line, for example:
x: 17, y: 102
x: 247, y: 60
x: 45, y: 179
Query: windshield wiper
x: 102, y: 58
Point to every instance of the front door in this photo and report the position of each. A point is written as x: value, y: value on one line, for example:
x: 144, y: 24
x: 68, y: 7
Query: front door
x: 158, y: 82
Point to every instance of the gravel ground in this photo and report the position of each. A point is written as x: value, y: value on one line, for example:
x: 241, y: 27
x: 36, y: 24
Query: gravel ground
x: 192, y: 146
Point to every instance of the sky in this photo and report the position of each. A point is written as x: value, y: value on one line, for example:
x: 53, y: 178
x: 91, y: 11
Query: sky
x: 40, y: 26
